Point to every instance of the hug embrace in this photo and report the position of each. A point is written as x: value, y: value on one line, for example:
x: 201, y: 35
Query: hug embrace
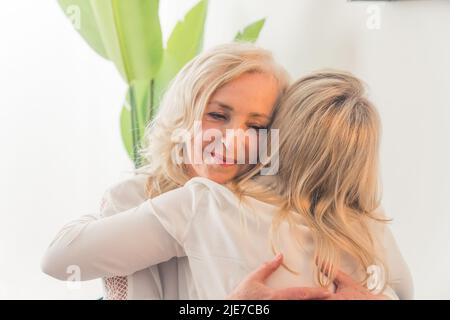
x: 253, y: 187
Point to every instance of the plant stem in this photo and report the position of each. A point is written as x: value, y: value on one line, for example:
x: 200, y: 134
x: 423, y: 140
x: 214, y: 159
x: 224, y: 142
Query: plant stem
x: 151, y: 100
x: 134, y: 127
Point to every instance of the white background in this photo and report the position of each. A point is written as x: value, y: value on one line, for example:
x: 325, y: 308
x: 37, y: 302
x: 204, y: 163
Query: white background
x: 60, y: 103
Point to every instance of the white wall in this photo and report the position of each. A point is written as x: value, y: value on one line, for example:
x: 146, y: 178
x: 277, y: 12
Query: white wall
x: 60, y: 102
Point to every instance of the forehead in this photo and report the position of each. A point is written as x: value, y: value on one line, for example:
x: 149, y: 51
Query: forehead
x: 250, y: 92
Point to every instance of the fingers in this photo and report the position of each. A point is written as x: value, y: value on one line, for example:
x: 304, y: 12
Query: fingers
x: 343, y: 279
x: 301, y: 294
x: 336, y: 296
x: 266, y: 269
x: 324, y: 267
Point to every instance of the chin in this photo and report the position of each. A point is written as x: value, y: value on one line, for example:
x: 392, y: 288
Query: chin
x: 218, y: 174
x: 220, y: 179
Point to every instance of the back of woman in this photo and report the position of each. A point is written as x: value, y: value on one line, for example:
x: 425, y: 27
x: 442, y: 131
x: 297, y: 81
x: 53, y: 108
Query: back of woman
x: 329, y: 136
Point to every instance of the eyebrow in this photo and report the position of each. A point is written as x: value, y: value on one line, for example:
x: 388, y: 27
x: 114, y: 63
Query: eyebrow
x: 230, y: 108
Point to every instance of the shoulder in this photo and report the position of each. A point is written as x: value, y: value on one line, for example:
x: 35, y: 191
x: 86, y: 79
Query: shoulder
x: 196, y: 198
x: 205, y: 189
x: 200, y: 200
x: 127, y: 193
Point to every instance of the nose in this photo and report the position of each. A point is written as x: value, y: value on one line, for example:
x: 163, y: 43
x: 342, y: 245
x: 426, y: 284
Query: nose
x: 234, y: 140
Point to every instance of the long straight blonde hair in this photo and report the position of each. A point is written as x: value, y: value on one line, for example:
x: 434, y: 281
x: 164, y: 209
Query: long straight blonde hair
x: 328, y: 168
x: 184, y: 103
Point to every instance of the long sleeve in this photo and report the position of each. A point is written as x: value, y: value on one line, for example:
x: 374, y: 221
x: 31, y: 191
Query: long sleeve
x: 116, y: 287
x: 111, y: 246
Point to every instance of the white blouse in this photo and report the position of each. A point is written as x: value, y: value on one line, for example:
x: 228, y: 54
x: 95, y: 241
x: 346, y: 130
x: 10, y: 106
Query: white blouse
x: 216, y: 241
x: 169, y: 280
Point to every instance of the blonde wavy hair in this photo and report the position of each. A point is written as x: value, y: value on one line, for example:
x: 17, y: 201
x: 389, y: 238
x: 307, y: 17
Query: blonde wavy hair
x: 184, y: 103
x: 328, y: 169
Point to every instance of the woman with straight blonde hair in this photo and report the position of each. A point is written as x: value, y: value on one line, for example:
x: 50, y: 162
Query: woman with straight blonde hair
x: 319, y: 210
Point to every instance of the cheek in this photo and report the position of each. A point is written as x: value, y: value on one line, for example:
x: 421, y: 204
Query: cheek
x: 211, y: 124
x: 199, y: 170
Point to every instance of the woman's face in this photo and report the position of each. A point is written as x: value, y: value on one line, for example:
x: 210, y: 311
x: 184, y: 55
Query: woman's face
x: 245, y: 103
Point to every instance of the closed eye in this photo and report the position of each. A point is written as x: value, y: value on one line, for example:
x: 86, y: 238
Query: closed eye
x: 257, y: 127
x: 217, y: 116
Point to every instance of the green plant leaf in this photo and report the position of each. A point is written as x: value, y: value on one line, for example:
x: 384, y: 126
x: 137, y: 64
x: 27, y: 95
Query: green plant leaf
x: 140, y: 37
x: 103, y: 11
x: 83, y: 20
x: 251, y: 32
x: 125, y: 130
x: 126, y: 32
x: 185, y: 42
